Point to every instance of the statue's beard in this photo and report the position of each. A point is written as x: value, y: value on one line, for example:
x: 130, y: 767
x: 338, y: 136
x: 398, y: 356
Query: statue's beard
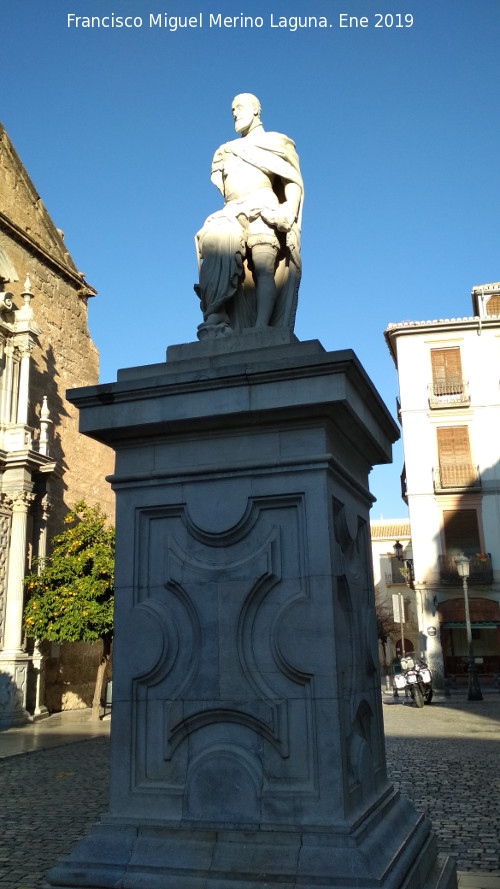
x: 244, y: 125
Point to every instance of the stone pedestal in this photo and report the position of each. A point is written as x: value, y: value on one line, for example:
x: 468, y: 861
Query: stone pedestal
x: 247, y: 735
x: 13, y: 685
x: 13, y: 659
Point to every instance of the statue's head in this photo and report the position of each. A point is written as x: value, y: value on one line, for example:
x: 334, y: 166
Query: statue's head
x: 246, y: 112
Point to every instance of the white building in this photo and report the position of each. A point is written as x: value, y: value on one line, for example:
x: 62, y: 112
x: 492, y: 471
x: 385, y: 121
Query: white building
x: 449, y: 384
x: 394, y: 597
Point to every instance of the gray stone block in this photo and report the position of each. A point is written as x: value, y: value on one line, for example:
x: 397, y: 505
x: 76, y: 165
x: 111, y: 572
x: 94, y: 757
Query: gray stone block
x: 247, y: 736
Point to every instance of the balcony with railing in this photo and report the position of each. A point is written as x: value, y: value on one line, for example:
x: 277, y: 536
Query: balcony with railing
x: 480, y: 570
x: 399, y: 573
x: 448, y: 393
x: 457, y: 477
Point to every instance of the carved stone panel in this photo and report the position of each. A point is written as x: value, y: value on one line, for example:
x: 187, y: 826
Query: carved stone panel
x: 5, y: 521
x: 217, y: 681
x: 357, y: 668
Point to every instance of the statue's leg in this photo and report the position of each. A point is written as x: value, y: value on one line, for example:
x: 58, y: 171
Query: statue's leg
x: 264, y: 262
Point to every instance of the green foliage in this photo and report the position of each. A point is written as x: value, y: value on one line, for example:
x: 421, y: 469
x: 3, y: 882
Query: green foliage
x: 71, y: 600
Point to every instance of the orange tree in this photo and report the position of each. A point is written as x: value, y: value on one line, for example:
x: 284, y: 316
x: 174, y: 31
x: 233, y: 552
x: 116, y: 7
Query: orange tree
x: 70, y: 598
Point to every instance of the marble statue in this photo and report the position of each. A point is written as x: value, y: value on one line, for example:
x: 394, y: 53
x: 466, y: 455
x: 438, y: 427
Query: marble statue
x: 249, y: 252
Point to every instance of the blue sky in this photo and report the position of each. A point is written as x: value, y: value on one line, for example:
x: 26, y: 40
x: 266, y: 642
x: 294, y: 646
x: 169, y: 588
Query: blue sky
x: 397, y: 130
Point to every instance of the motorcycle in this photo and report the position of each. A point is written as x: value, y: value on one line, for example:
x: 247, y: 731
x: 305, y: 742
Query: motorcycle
x: 416, y: 678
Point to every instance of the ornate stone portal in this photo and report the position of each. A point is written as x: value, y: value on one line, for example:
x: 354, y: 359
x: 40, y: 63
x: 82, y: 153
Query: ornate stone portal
x: 25, y: 469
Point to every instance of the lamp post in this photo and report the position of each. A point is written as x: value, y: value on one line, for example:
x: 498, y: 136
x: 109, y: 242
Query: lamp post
x: 398, y: 552
x: 408, y: 564
x: 463, y: 568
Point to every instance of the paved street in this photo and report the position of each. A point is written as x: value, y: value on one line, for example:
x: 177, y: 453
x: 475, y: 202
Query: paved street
x: 445, y: 758
x: 49, y: 799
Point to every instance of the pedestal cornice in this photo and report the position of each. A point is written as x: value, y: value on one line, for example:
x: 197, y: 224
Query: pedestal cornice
x: 273, y: 384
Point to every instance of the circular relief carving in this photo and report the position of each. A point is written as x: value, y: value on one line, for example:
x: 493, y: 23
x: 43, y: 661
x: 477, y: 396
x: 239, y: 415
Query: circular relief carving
x: 141, y: 643
x: 223, y: 785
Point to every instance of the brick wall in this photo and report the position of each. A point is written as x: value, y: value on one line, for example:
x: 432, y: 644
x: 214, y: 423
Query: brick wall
x: 66, y: 357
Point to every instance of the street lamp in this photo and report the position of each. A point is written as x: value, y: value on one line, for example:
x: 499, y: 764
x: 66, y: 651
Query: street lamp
x: 398, y: 551
x: 407, y: 572
x: 463, y: 568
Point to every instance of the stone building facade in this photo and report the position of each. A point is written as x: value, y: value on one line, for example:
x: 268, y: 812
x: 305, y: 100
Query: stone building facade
x: 46, y: 466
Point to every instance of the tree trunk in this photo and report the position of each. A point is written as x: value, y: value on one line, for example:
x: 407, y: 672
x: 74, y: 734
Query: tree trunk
x: 106, y: 653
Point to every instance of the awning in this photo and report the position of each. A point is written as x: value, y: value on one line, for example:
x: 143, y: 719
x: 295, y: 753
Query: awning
x: 476, y: 624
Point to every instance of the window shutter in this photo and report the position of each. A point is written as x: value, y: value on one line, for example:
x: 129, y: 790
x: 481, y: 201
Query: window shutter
x: 461, y: 531
x: 455, y: 464
x: 446, y: 371
x: 453, y: 444
x: 493, y: 305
